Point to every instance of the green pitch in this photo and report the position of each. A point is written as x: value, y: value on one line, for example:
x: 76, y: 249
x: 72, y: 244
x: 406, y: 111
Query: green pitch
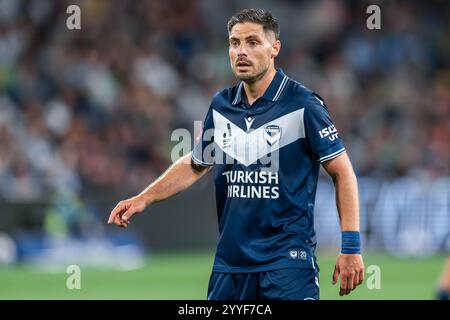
x: 185, y: 276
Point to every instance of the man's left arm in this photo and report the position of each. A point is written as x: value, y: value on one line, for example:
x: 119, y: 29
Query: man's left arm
x: 349, y: 265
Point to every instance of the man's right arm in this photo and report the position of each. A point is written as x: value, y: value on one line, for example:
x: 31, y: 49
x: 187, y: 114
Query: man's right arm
x: 180, y: 176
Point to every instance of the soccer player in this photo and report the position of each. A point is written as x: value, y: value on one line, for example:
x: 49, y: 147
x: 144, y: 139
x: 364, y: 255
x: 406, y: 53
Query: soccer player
x: 265, y: 139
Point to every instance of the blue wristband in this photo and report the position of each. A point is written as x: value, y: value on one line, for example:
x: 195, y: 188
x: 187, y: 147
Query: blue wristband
x: 351, y: 242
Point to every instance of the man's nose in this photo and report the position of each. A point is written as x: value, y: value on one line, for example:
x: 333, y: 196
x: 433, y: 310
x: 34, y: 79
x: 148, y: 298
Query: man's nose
x: 242, y: 51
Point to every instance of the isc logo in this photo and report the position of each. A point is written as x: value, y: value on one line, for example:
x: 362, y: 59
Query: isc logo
x: 329, y: 132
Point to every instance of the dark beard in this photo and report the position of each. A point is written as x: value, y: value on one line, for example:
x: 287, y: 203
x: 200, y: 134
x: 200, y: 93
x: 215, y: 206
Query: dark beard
x: 249, y: 79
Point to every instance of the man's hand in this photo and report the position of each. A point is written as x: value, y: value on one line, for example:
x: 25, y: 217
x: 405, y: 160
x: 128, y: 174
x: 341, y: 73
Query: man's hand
x: 351, y: 269
x: 125, y: 209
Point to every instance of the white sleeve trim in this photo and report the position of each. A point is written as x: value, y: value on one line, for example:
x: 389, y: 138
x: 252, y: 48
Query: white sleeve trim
x: 197, y: 161
x: 331, y: 156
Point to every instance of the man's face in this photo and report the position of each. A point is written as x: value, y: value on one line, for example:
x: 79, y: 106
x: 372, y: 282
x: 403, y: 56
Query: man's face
x: 252, y: 51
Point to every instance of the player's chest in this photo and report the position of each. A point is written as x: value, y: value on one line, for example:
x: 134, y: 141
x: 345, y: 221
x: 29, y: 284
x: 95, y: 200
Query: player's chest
x: 248, y: 135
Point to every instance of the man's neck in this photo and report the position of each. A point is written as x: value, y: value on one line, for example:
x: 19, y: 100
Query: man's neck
x: 256, y: 89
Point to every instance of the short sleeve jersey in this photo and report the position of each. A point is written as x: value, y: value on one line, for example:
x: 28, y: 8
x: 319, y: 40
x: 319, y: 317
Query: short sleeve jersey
x: 266, y: 160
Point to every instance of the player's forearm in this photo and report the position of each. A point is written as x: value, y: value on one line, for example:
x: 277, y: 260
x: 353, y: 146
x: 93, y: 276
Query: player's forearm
x: 347, y: 199
x: 178, y: 177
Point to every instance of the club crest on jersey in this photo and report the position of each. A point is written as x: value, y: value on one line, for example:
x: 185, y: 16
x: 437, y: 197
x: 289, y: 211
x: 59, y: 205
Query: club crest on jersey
x: 272, y: 134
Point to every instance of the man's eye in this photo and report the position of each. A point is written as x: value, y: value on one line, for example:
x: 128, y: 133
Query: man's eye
x: 234, y: 44
x: 253, y: 43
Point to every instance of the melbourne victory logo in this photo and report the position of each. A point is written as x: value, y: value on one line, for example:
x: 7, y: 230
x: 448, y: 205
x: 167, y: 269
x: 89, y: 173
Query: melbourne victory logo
x: 272, y: 134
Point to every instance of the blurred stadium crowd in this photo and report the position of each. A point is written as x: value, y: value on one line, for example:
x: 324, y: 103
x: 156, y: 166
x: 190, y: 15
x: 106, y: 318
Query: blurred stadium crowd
x: 92, y: 110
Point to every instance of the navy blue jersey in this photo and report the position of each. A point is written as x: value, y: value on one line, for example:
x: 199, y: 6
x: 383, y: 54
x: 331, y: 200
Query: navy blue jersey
x: 266, y: 160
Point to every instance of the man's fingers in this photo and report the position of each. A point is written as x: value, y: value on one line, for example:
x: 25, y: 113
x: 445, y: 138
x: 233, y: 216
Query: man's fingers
x: 351, y: 271
x: 121, y: 223
x: 356, y: 280
x: 116, y: 211
x: 361, y: 276
x: 117, y: 221
x: 335, y: 275
x: 122, y: 213
x: 343, y: 287
x: 125, y: 223
x: 128, y: 214
x: 111, y: 217
x: 350, y: 283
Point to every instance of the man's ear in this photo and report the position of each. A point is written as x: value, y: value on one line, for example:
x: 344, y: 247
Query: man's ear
x: 276, y: 46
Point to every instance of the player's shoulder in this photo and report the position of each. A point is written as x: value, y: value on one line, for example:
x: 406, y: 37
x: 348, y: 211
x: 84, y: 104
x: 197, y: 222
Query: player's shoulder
x: 297, y: 91
x: 225, y: 96
x: 310, y: 98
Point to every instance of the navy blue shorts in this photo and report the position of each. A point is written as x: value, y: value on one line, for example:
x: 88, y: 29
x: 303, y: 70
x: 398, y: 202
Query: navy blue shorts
x: 282, y: 284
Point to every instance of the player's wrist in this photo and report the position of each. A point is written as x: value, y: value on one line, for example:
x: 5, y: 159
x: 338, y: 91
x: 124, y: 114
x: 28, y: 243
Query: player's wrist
x: 350, y: 242
x: 146, y: 198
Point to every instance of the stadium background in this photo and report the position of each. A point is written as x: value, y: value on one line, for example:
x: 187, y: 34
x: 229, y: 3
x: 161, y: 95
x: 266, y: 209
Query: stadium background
x: 86, y: 118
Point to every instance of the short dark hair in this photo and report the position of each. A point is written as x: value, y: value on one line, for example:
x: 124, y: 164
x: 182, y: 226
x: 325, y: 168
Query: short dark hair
x: 259, y: 16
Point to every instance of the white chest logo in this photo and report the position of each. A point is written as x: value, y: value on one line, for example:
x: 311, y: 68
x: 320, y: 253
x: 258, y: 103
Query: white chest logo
x: 248, y: 122
x: 249, y: 146
x: 272, y: 134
